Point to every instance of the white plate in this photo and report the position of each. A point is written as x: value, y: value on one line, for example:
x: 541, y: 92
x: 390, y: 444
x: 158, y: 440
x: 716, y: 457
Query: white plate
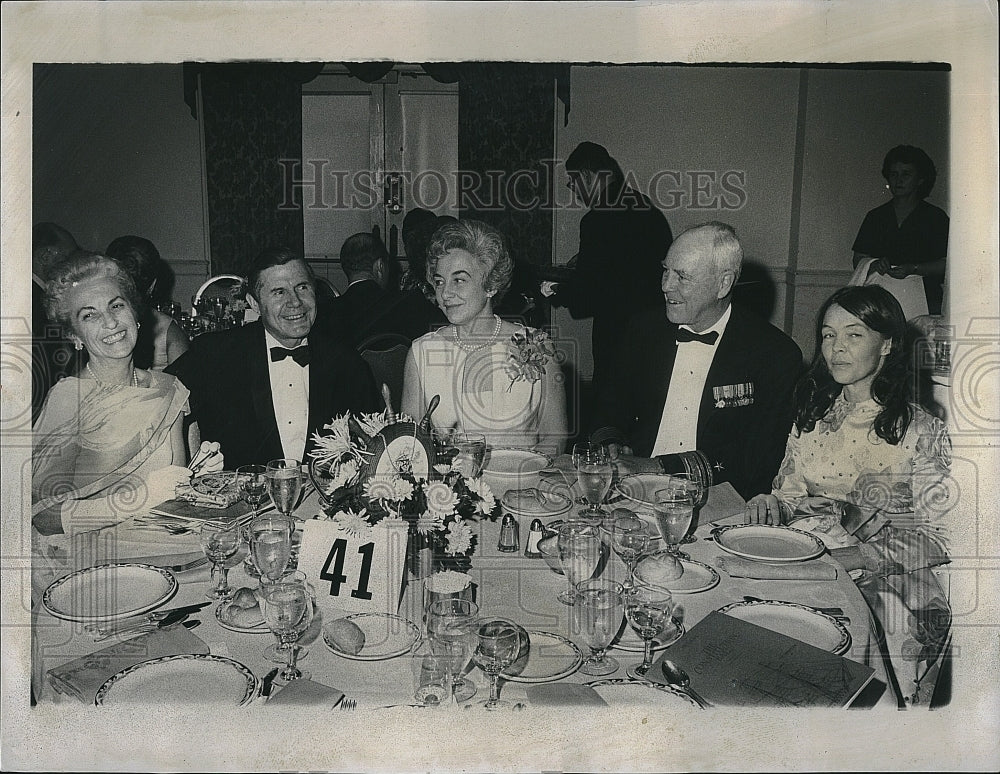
x: 797, y: 621
x: 764, y: 543
x: 260, y: 628
x: 386, y: 636
x: 513, y: 469
x: 109, y: 591
x: 550, y: 657
x: 626, y: 691
x: 549, y: 504
x: 186, y: 678
x: 697, y: 577
x: 631, y: 642
x: 640, y: 488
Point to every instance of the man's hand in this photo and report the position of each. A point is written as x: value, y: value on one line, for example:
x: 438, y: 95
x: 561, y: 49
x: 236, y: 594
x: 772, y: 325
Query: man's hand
x: 764, y: 509
x: 549, y: 288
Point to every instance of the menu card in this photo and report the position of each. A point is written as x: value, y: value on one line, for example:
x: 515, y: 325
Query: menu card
x: 735, y: 663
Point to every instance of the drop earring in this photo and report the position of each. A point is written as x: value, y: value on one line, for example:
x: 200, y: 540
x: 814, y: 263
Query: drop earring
x: 78, y: 345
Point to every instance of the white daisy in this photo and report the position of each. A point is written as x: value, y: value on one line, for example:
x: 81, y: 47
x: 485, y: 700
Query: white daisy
x: 459, y: 538
x: 354, y: 524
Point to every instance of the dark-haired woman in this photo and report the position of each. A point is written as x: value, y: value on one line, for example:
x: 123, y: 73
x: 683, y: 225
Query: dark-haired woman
x: 867, y: 470
x: 906, y: 236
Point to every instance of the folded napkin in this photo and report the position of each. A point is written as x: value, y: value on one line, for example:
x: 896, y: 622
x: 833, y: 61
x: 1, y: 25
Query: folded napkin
x: 180, y: 510
x: 306, y: 692
x: 743, y: 568
x: 563, y: 694
x: 83, y: 676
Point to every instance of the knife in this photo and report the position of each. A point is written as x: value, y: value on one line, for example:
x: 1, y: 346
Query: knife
x: 169, y: 620
x: 152, y: 617
x: 267, y: 682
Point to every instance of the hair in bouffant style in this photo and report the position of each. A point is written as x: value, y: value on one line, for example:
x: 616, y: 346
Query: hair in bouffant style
x: 82, y: 266
x: 480, y: 240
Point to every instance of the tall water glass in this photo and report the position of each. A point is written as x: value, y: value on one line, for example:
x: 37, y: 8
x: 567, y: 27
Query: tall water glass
x: 271, y: 545
x: 673, y: 510
x: 451, y: 629
x: 593, y: 474
x: 471, y: 453
x: 598, y: 614
x: 288, y: 611
x: 278, y: 651
x: 698, y: 489
x: 648, y: 610
x: 579, y: 544
x: 284, y: 483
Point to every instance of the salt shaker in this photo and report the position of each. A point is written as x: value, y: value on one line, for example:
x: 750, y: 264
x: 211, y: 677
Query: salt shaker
x: 535, y: 534
x: 509, y: 540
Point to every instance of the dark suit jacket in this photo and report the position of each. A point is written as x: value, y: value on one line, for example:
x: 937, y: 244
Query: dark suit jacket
x: 366, y: 310
x: 227, y: 374
x: 747, y: 441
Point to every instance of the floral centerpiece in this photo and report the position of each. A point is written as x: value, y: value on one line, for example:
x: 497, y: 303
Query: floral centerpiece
x: 440, y: 510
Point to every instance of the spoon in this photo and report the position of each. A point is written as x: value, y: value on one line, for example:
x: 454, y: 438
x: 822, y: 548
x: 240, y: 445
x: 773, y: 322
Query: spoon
x: 679, y: 678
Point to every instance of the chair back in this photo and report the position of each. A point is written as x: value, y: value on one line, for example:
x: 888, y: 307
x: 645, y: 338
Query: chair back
x: 386, y: 354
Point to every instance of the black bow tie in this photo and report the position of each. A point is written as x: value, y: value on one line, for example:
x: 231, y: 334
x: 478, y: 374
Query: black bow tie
x: 300, y: 355
x: 683, y: 334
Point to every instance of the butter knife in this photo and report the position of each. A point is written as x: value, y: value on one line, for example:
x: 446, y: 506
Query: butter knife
x: 267, y: 682
x: 168, y: 620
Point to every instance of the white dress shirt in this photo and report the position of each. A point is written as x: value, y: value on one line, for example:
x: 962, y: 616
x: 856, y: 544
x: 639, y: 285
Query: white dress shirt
x: 679, y: 423
x: 290, y: 396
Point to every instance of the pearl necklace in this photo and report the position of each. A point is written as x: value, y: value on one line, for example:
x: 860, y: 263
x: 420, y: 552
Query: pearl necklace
x: 490, y: 340
x: 135, y: 378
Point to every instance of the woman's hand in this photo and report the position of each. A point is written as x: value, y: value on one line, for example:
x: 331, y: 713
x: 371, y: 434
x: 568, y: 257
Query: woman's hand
x: 764, y: 509
x: 902, y: 271
x: 208, y: 459
x: 161, y: 483
x: 880, y: 266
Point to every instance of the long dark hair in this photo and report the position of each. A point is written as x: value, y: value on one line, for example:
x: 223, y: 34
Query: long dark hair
x: 892, y: 387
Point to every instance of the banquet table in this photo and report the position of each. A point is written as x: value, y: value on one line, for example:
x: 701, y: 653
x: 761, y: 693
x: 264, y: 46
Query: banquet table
x: 505, y: 584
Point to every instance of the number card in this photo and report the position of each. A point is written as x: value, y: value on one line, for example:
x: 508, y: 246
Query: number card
x: 354, y: 573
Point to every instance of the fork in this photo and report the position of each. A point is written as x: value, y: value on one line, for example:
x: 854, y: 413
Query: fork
x: 348, y: 705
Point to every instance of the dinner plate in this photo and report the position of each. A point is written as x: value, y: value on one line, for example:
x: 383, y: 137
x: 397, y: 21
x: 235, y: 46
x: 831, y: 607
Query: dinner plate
x: 697, y: 577
x: 550, y: 657
x: 222, y: 483
x: 513, y: 469
x: 797, y: 621
x: 109, y: 591
x: 545, y: 504
x: 631, y: 642
x: 626, y: 691
x: 764, y: 543
x: 260, y: 628
x: 180, y: 679
x: 386, y: 636
x: 640, y: 488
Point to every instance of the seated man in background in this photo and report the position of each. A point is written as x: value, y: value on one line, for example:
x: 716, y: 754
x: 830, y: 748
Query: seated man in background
x: 704, y: 380
x: 262, y: 389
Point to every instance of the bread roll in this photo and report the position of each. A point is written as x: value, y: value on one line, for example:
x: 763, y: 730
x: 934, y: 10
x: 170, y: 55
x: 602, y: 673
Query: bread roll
x: 244, y: 617
x: 660, y: 568
x: 346, y: 635
x: 244, y: 598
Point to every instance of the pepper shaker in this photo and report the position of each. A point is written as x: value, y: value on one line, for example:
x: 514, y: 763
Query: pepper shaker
x: 509, y: 540
x: 535, y: 534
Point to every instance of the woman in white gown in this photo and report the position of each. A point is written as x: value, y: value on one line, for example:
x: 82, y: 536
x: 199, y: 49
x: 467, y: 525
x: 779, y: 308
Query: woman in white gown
x: 493, y: 377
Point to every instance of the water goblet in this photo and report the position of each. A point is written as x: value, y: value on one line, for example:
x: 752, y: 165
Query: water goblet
x: 471, y: 453
x: 497, y: 646
x: 698, y: 489
x: 219, y: 542
x: 579, y: 546
x: 673, y: 509
x: 278, y: 651
x: 284, y: 483
x: 252, y: 483
x: 593, y: 473
x: 452, y: 634
x: 598, y: 614
x: 271, y: 545
x: 630, y: 539
x: 648, y: 610
x: 288, y: 611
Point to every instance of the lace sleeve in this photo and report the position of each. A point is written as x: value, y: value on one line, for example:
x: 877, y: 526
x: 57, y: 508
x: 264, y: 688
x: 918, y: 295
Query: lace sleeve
x: 789, y: 484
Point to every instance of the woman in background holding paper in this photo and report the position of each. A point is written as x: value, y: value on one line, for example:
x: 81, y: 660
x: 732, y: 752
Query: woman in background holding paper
x: 902, y: 244
x: 108, y: 444
x: 867, y: 470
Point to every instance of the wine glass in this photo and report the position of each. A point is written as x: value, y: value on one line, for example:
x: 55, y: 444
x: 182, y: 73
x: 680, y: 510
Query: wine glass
x: 219, y: 542
x: 673, y: 509
x: 252, y: 485
x: 452, y: 634
x: 278, y: 651
x: 593, y: 473
x: 579, y: 546
x: 288, y: 611
x: 630, y: 539
x: 598, y: 613
x: 648, y: 610
x: 284, y: 483
x: 497, y: 647
x: 471, y: 453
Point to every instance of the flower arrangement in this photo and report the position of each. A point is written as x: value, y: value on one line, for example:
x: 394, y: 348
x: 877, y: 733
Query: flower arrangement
x: 527, y: 355
x: 440, y: 510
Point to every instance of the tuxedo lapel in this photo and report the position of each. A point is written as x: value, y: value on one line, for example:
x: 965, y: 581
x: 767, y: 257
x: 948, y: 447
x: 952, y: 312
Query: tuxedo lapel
x: 260, y: 390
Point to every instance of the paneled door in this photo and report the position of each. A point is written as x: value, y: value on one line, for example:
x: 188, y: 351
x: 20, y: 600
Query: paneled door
x: 371, y: 152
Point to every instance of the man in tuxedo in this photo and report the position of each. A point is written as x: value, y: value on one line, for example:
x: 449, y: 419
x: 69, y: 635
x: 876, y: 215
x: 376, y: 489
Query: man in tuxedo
x: 261, y: 390
x: 705, y: 379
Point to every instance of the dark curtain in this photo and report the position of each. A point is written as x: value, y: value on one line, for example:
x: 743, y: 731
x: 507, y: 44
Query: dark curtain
x: 505, y: 126
x: 252, y: 122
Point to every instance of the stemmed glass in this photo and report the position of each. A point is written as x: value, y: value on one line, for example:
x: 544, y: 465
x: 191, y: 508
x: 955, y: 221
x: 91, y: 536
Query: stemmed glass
x: 497, y: 647
x: 579, y: 546
x: 284, y: 483
x: 271, y: 545
x: 593, y: 472
x: 648, y: 609
x: 278, y: 651
x: 630, y: 539
x: 698, y: 489
x: 219, y: 542
x: 673, y: 509
x: 452, y: 633
x: 598, y: 614
x: 252, y: 485
x: 288, y: 611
